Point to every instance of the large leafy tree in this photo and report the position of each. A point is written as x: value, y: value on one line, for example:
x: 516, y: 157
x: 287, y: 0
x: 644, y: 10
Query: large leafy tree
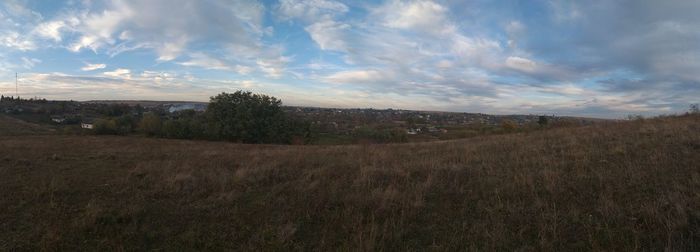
x: 250, y: 118
x: 151, y: 124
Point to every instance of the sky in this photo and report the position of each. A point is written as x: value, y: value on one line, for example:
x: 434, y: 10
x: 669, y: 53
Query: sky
x: 597, y: 58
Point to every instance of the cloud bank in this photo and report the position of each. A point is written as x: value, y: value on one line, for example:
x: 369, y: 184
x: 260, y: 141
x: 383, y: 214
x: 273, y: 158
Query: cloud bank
x: 602, y: 58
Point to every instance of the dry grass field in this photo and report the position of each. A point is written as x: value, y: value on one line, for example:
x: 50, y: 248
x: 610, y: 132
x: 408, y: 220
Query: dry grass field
x: 629, y: 186
x: 10, y: 126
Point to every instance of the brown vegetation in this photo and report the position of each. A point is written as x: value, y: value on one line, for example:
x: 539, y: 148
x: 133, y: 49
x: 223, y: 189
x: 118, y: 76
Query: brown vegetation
x: 15, y: 127
x: 625, y: 186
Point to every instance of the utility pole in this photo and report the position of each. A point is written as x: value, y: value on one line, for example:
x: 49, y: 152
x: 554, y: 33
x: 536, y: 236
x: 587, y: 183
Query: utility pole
x: 16, y: 86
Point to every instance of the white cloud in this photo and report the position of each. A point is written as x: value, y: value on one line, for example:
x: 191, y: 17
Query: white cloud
x: 15, y: 40
x: 423, y: 16
x: 18, y: 10
x: 29, y: 63
x: 125, y: 25
x: 98, y: 29
x: 538, y: 70
x: 273, y: 68
x: 119, y: 73
x: 51, y: 30
x: 131, y: 24
x: 515, y: 30
x: 320, y: 17
x: 329, y: 34
x: 309, y: 10
x: 205, y: 61
x: 244, y: 70
x: 564, y: 10
x: 149, y: 85
x: 158, y: 77
x: 475, y: 50
x: 355, y: 77
x: 411, y: 47
x: 172, y: 49
x: 445, y: 64
x: 92, y: 67
x: 521, y: 64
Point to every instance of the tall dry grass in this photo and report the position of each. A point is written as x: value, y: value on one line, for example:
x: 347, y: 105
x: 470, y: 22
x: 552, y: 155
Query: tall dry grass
x: 10, y: 126
x: 626, y: 186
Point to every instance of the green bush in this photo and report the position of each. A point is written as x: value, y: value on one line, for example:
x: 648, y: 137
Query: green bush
x: 394, y: 135
x: 508, y: 125
x: 694, y: 109
x: 125, y: 124
x: 105, y: 127
x: 542, y: 121
x: 150, y: 124
x: 251, y: 118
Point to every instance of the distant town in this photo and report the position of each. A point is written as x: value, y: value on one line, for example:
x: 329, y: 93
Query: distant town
x: 331, y: 125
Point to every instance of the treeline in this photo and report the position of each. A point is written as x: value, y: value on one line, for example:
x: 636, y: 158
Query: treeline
x: 19, y: 99
x: 239, y: 117
x: 380, y: 135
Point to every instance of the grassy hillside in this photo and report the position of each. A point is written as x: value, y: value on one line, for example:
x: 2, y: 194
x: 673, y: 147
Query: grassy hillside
x: 625, y: 186
x: 15, y: 127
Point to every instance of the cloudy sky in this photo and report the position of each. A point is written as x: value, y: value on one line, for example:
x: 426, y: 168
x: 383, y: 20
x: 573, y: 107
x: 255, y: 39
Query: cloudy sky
x: 603, y: 58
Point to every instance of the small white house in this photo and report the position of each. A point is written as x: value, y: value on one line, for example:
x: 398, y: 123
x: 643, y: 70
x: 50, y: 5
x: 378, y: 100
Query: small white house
x: 58, y: 119
x: 86, y: 125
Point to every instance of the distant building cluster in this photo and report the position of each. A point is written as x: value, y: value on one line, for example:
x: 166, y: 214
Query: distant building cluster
x: 344, y: 121
x: 334, y: 121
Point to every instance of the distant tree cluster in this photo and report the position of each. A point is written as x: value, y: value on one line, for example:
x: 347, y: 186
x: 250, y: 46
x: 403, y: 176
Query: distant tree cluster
x: 391, y: 135
x: 694, y: 108
x: 542, y: 121
x: 509, y: 125
x: 239, y: 117
x: 251, y: 118
x: 121, y: 125
x: 19, y: 99
x: 186, y: 124
x: 113, y: 110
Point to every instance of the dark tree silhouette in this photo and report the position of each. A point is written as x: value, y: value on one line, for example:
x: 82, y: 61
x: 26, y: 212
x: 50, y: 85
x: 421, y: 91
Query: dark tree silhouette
x: 251, y: 118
